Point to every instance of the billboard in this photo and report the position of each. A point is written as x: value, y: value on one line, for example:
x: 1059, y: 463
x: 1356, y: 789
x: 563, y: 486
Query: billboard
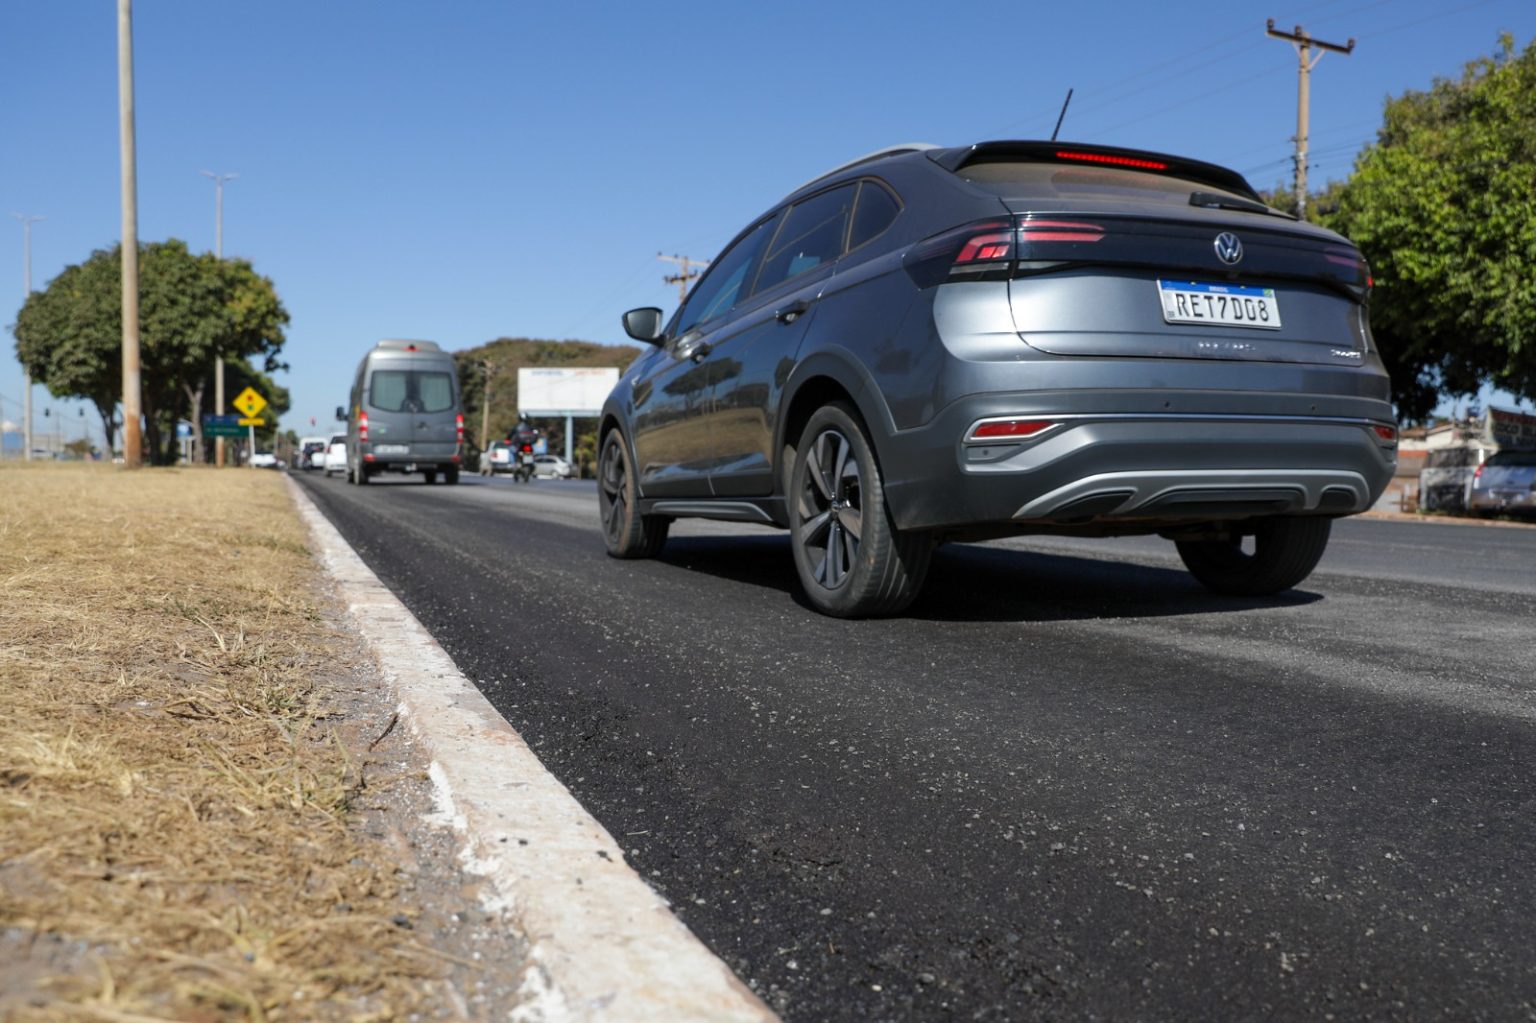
x: 563, y: 392
x: 1510, y: 429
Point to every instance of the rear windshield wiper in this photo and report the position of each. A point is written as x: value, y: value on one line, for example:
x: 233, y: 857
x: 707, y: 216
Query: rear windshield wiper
x: 1215, y: 201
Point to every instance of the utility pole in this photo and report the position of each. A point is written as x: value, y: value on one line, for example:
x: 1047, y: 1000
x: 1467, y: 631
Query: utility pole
x: 1308, y: 60
x: 133, y: 441
x: 485, y: 407
x: 691, y: 269
x: 26, y: 376
x: 218, y: 252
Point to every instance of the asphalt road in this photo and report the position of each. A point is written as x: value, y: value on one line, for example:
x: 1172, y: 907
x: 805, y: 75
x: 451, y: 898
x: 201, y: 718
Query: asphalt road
x: 1069, y: 783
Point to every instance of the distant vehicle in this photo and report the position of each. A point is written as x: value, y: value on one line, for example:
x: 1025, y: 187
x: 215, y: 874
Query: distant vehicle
x: 405, y: 414
x: 336, y: 455
x: 1447, y: 476
x: 497, y: 458
x: 1009, y: 338
x: 311, y: 453
x: 264, y: 460
x: 1504, y: 484
x: 551, y: 466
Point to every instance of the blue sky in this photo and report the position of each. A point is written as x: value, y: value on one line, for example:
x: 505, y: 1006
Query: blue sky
x: 464, y: 171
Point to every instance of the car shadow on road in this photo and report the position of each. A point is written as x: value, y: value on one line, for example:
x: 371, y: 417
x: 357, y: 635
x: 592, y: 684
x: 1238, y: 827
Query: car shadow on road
x: 974, y: 583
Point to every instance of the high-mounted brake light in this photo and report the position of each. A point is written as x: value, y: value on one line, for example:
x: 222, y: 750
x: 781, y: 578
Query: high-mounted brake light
x: 1112, y: 160
x: 362, y: 425
x: 1010, y: 428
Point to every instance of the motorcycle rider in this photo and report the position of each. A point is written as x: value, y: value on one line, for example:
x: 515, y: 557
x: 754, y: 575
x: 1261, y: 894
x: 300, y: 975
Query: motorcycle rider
x: 522, y: 438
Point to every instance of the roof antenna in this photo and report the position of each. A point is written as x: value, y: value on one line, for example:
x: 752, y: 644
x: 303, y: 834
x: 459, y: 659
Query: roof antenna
x: 1062, y: 116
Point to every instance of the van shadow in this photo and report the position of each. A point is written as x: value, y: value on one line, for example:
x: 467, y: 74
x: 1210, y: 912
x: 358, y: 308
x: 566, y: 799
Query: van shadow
x: 973, y: 583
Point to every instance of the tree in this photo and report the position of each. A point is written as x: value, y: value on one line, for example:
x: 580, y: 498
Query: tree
x: 1443, y: 205
x: 192, y: 309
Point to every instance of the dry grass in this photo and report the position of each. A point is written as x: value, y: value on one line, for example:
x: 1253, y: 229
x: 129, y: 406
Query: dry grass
x: 176, y: 805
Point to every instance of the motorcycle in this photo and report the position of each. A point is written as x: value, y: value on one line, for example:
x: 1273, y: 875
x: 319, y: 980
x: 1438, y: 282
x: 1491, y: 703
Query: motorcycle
x: 522, y: 464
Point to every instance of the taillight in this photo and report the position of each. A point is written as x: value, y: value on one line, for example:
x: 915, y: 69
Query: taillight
x: 1477, y: 473
x: 1386, y: 434
x: 993, y: 249
x: 1009, y: 429
x: 362, y: 425
x: 458, y: 427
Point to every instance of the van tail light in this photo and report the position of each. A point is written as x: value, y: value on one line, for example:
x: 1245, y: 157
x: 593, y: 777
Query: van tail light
x: 458, y: 427
x: 993, y: 249
x: 362, y: 426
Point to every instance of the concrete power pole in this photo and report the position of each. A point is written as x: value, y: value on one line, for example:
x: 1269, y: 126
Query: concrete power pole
x: 26, y: 377
x: 1308, y: 60
x: 218, y: 252
x: 485, y: 408
x: 691, y: 269
x: 133, y: 441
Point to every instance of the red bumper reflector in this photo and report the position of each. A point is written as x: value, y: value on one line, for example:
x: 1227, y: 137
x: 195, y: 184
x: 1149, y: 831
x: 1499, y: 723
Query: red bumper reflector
x: 367, y: 458
x: 1011, y: 428
x: 1386, y: 433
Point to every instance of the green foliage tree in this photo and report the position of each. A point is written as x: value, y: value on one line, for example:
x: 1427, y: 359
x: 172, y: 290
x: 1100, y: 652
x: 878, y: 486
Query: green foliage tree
x: 1444, y: 207
x: 192, y: 308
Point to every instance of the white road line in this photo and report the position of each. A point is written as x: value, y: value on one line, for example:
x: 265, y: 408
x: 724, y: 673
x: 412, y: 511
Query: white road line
x: 602, y: 944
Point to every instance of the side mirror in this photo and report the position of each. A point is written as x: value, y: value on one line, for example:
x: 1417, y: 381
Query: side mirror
x: 644, y: 324
x: 341, y: 414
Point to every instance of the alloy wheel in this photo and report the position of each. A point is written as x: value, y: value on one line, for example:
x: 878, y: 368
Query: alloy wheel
x: 831, y: 507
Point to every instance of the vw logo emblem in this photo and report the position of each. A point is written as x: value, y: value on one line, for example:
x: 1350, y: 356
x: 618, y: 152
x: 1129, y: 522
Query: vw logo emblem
x: 1228, y: 248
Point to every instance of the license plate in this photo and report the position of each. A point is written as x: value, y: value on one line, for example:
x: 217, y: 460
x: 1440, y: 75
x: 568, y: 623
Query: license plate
x: 391, y: 449
x: 1219, y: 305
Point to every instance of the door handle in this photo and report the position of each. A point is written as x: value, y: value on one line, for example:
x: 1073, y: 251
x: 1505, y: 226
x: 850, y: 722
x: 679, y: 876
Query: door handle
x: 792, y: 311
x: 702, y: 349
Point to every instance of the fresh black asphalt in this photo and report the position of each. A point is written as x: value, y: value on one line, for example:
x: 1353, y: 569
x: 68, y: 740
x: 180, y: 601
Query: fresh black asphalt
x: 1061, y: 786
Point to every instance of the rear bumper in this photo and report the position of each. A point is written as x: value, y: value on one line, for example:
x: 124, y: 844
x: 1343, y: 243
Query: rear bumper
x: 1515, y: 502
x: 1134, y: 471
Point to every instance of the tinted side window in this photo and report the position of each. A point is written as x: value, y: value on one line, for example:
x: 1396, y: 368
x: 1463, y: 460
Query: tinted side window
x: 874, y: 213
x: 812, y: 235
x: 722, y: 285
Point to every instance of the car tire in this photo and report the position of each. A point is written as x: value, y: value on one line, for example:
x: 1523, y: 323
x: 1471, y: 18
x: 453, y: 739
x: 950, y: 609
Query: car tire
x: 1285, y: 551
x: 430, y: 476
x: 627, y: 533
x: 852, y: 560
x: 450, y: 477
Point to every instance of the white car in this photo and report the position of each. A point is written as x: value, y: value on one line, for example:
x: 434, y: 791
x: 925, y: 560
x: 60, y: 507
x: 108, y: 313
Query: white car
x: 263, y: 460
x: 336, y: 455
x: 552, y: 465
x: 311, y: 453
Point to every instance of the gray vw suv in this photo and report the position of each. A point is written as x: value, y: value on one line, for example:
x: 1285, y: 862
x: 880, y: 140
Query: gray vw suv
x: 1008, y: 338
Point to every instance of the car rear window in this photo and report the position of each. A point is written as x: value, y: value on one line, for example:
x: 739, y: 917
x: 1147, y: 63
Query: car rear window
x: 1067, y: 181
x: 410, y: 390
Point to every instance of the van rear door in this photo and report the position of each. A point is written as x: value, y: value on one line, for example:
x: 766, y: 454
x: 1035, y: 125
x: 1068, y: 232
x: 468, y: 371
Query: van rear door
x: 435, y: 408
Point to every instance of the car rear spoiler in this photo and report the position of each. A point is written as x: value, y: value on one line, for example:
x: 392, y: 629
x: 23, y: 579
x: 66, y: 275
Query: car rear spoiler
x: 1197, y: 171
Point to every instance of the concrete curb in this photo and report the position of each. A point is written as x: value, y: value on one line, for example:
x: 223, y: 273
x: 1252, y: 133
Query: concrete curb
x: 602, y: 945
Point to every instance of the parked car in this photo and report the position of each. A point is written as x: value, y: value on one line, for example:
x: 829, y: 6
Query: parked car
x: 552, y: 466
x: 263, y: 460
x: 1504, y: 484
x: 1007, y: 338
x: 311, y: 453
x: 405, y: 414
x: 497, y: 458
x: 336, y: 455
x: 1447, y: 477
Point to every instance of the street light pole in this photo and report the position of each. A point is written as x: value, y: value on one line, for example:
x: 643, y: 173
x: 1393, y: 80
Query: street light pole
x: 133, y: 407
x: 218, y: 252
x: 26, y: 376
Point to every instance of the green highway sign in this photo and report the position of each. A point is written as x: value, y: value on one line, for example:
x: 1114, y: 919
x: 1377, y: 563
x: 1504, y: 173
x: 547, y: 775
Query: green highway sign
x: 223, y: 426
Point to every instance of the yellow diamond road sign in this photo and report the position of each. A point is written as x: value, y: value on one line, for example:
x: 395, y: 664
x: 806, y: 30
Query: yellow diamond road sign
x: 250, y: 402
